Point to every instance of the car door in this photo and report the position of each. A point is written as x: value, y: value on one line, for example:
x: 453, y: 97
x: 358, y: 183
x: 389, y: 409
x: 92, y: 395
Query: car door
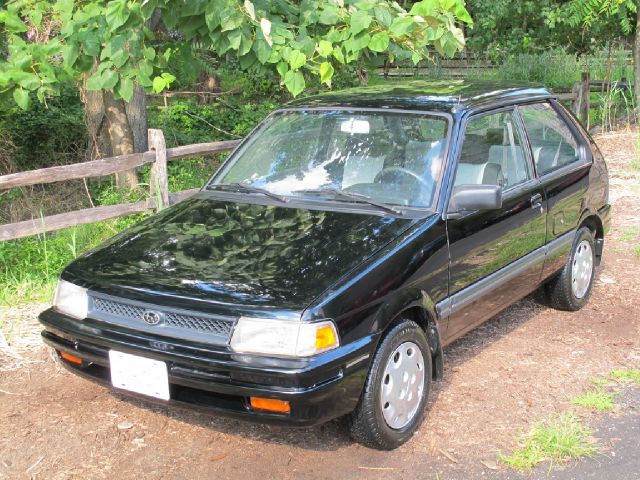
x: 496, y: 256
x: 563, y: 163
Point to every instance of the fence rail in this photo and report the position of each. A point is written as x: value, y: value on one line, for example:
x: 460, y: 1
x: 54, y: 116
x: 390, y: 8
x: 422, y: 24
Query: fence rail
x: 159, y: 197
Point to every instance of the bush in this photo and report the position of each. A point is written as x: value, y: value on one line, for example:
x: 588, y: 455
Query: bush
x: 46, y: 135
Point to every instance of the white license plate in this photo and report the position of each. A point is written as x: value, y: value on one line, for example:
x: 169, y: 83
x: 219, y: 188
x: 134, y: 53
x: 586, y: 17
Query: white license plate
x: 139, y: 374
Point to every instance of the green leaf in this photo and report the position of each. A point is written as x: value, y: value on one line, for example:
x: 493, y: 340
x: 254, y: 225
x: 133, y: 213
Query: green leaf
x: 425, y: 8
x: 117, y: 14
x: 146, y: 67
x: 32, y: 82
x: 294, y: 81
x: 109, y: 79
x: 297, y: 59
x: 247, y: 60
x: 379, y: 42
x: 383, y: 15
x: 325, y: 48
x: 282, y: 68
x: 402, y: 26
x: 22, y: 98
x: 13, y: 22
x: 94, y: 82
x: 338, y: 55
x: 416, y: 57
x: 360, y: 42
x: 360, y: 21
x: 234, y: 38
x: 70, y: 54
x: 158, y: 84
x: 262, y: 50
x: 329, y: 15
x: 36, y: 17
x: 149, y: 54
x: 91, y: 46
x: 326, y: 72
x: 126, y: 89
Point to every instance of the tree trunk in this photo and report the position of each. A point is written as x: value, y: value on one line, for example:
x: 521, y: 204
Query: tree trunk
x: 116, y: 128
x: 121, y: 136
x: 137, y: 118
x: 636, y: 61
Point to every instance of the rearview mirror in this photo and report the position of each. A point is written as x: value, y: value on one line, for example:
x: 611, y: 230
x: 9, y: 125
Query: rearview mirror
x: 468, y: 198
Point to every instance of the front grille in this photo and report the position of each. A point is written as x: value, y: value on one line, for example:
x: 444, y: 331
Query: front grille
x: 117, y: 308
x: 172, y: 322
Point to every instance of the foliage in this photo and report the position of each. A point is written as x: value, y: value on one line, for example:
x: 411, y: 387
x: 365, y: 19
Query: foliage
x: 555, y: 441
x: 46, y: 135
x: 109, y: 45
x: 628, y: 375
x: 507, y: 27
x: 589, y: 13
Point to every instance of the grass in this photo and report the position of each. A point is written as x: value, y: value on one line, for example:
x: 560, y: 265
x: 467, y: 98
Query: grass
x: 596, y: 398
x: 556, y: 441
x: 627, y: 376
x: 29, y: 267
x: 634, y: 164
x: 630, y: 233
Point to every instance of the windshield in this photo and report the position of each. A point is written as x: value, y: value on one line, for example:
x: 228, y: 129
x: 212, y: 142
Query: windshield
x: 375, y: 157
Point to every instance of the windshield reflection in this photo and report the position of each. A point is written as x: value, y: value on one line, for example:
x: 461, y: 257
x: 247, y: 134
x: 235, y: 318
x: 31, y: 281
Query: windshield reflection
x: 387, y: 157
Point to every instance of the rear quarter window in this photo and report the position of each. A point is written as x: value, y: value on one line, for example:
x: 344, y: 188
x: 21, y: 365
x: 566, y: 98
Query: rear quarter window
x: 553, y: 144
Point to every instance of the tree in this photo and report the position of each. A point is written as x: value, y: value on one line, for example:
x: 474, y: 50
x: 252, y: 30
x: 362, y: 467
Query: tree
x: 625, y: 13
x: 111, y: 47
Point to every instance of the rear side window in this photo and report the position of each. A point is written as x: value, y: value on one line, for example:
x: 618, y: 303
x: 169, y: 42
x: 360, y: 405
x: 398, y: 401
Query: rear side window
x: 492, y: 153
x: 552, y: 143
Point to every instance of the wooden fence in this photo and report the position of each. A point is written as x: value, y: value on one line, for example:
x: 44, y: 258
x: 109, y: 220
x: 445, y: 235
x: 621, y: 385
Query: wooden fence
x: 159, y: 197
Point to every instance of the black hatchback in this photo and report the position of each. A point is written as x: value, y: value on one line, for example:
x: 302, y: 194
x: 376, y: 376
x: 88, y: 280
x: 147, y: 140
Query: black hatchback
x: 346, y: 241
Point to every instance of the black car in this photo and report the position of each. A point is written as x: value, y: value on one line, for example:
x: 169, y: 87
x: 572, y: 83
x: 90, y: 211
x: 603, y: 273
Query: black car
x: 346, y: 241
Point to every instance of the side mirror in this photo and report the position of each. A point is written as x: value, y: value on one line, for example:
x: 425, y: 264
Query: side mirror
x: 468, y: 198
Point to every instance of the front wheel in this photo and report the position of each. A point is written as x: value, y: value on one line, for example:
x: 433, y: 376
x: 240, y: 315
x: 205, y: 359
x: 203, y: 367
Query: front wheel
x: 393, y: 401
x: 570, y: 290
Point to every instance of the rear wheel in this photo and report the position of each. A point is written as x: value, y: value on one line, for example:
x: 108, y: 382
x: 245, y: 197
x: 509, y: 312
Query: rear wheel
x: 571, y: 289
x: 393, y: 401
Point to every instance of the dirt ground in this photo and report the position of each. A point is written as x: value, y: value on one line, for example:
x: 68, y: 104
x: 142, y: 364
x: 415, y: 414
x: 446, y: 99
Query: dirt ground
x: 522, y: 366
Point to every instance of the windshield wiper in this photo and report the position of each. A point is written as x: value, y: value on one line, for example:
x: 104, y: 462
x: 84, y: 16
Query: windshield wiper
x: 358, y: 197
x: 242, y: 188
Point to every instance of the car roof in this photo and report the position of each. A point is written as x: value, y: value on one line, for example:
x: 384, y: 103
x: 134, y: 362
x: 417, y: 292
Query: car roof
x: 440, y: 95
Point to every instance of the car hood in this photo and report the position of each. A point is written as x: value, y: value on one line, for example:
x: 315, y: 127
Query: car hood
x: 223, y: 253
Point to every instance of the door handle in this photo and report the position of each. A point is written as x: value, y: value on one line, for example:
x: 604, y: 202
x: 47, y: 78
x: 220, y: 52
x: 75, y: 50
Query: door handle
x: 536, y: 201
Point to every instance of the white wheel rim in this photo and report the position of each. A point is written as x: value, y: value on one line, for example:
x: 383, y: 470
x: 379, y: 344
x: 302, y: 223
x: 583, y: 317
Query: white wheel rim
x: 581, y: 269
x: 402, y: 385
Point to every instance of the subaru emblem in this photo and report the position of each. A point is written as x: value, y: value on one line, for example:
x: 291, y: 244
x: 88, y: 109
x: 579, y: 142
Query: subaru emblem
x: 151, y: 317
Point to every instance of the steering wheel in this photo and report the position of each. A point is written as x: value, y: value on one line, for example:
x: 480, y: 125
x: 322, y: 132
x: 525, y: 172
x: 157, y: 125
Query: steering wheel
x: 391, y: 171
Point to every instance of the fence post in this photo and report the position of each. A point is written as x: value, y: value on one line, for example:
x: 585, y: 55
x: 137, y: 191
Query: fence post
x: 582, y: 92
x: 158, y: 180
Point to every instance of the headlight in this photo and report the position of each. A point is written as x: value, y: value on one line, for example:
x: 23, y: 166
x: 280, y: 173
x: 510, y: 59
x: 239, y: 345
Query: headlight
x: 283, y: 337
x: 71, y: 299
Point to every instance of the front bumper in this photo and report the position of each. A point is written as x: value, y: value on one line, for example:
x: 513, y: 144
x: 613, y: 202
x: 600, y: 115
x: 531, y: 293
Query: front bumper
x: 216, y: 379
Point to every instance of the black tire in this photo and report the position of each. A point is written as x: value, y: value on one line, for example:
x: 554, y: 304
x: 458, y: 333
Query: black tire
x: 367, y: 424
x: 558, y: 290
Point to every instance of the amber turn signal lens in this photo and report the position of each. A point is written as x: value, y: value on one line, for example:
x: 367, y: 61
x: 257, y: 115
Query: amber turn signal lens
x: 270, y: 405
x: 71, y: 358
x: 325, y: 338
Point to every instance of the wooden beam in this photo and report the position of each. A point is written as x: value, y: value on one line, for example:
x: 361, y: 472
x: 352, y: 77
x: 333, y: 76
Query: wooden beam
x: 179, y: 196
x: 12, y: 231
x: 201, y: 149
x: 94, y: 168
